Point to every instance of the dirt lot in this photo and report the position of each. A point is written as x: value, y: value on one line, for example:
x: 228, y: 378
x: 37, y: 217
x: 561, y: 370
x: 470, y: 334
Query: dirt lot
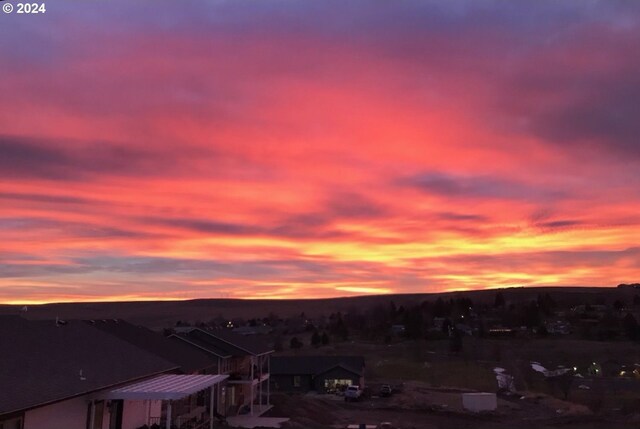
x: 430, y: 362
x: 432, y: 380
x: 419, y: 406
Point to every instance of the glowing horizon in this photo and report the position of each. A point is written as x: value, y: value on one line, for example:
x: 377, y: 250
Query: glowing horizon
x: 308, y: 150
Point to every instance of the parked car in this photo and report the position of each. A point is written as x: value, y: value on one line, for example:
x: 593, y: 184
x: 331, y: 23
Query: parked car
x: 352, y: 393
x: 385, y: 390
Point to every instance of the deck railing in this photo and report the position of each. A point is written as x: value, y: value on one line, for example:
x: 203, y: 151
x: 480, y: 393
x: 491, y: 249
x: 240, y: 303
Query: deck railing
x: 179, y: 423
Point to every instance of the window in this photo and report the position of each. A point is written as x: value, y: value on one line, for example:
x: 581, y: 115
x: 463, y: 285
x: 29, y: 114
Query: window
x: 296, y: 381
x: 336, y: 384
x: 12, y: 423
x: 96, y: 410
x: 99, y: 414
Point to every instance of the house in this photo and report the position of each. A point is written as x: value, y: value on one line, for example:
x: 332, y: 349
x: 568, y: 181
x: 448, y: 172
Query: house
x: 71, y: 375
x: 464, y: 329
x: 397, y: 330
x: 253, y: 330
x: 246, y: 360
x: 590, y: 311
x: 323, y: 374
x: 438, y: 324
x: 558, y: 327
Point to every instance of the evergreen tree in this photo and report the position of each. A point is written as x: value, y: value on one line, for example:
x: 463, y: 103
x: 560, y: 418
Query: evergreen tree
x: 413, y: 323
x: 546, y: 304
x: 440, y: 308
x: 277, y: 344
x: 315, y: 339
x: 630, y: 325
x: 295, y: 343
x: 455, y: 342
x: 499, y: 300
x: 339, y: 329
x: 393, y: 311
x: 531, y: 315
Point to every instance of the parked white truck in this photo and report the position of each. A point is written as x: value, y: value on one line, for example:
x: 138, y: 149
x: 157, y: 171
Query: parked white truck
x: 352, y: 393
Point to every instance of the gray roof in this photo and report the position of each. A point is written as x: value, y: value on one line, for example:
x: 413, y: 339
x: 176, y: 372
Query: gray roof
x: 42, y: 362
x: 201, y: 341
x: 224, y: 343
x: 188, y: 358
x: 314, y: 365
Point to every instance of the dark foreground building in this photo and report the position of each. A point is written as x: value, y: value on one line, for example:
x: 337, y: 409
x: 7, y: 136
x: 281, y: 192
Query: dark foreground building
x: 110, y: 374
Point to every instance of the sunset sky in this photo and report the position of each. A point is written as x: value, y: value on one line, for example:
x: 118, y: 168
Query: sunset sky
x: 283, y: 149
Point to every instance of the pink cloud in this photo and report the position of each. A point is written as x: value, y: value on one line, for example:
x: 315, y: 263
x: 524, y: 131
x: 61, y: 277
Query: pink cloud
x: 260, y: 151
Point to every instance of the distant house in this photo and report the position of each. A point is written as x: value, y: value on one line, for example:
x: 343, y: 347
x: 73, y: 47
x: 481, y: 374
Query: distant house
x: 594, y: 311
x: 397, y: 329
x: 464, y: 329
x: 71, y: 375
x: 501, y: 331
x: 558, y: 327
x: 246, y: 360
x: 438, y: 324
x: 252, y: 330
x: 323, y: 374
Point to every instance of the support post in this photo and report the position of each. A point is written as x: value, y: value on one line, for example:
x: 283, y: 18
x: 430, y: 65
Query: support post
x: 251, y: 384
x: 168, y: 415
x: 269, y: 379
x: 258, y: 385
x: 261, y: 381
x: 211, y: 405
x: 92, y: 414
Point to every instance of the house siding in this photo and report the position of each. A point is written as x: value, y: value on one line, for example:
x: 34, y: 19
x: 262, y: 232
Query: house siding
x: 70, y: 414
x: 284, y: 383
x: 134, y: 414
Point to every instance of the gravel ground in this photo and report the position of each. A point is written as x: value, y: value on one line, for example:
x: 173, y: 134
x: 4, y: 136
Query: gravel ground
x: 418, y: 406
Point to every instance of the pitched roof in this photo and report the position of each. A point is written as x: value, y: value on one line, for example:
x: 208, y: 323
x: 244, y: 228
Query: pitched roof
x: 248, y: 344
x: 314, y: 365
x: 188, y: 358
x: 203, y: 342
x: 43, y: 362
x: 224, y: 343
x: 342, y: 365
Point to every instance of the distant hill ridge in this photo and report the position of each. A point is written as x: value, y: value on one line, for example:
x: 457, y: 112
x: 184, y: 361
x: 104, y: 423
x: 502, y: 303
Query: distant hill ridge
x: 159, y: 314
